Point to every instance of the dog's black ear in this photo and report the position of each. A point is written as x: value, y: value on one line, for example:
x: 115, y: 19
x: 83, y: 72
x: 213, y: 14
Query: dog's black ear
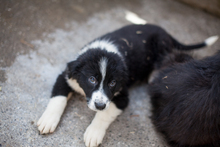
x: 72, y: 69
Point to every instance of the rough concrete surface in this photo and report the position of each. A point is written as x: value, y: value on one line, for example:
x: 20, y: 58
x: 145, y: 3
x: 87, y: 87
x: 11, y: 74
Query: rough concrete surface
x: 37, y: 38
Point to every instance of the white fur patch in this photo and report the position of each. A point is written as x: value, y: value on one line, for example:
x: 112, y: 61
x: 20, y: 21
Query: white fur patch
x: 103, y: 45
x: 134, y: 18
x: 102, y: 67
x: 211, y: 40
x: 75, y: 86
x: 51, y: 116
x: 95, y: 132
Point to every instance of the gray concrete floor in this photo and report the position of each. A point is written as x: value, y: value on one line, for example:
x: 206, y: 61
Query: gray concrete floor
x: 38, y: 37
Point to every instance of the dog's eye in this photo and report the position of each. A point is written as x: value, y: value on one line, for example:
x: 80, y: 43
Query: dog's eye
x: 92, y: 80
x: 112, y: 83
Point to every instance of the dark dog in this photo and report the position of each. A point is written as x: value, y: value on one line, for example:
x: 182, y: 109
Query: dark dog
x: 103, y: 71
x: 185, y: 97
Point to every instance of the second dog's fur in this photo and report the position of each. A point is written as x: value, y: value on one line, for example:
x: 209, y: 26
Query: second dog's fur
x: 185, y: 96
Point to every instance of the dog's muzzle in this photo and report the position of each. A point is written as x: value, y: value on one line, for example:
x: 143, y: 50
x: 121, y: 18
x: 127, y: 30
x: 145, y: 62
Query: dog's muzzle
x: 98, y: 101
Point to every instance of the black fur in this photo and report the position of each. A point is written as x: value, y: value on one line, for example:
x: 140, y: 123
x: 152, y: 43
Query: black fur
x: 61, y: 87
x: 185, y: 100
x: 144, y: 45
x: 140, y: 46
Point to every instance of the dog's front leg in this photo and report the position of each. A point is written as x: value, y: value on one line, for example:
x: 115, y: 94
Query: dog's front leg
x: 95, y: 132
x: 51, y: 116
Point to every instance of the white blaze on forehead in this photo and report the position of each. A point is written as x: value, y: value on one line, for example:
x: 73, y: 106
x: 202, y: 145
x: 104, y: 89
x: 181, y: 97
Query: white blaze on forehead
x: 99, y: 95
x: 103, y: 45
x: 102, y: 68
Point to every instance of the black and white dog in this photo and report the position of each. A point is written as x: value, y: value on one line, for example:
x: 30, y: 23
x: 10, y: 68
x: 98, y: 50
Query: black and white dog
x: 103, y: 71
x: 185, y: 98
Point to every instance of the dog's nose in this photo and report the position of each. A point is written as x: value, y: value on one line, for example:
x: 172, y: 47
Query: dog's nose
x: 100, y: 106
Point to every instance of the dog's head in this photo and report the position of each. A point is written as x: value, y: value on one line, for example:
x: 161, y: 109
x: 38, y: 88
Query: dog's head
x: 100, y: 75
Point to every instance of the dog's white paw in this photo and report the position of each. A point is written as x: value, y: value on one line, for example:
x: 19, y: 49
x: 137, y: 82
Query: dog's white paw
x: 96, y: 130
x: 48, y: 122
x: 94, y: 135
x: 51, y: 117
